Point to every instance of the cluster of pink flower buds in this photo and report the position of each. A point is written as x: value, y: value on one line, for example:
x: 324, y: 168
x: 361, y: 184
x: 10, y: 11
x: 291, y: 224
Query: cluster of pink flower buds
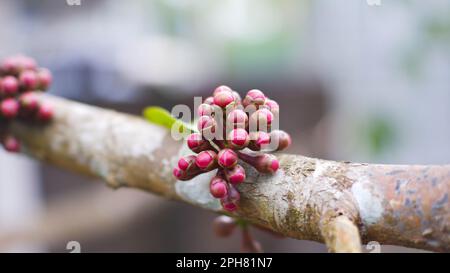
x: 231, y: 128
x: 20, y: 79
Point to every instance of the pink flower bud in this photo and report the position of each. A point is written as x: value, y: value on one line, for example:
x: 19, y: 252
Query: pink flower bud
x: 229, y: 202
x: 281, y: 138
x: 258, y: 140
x: 238, y: 138
x: 237, y: 118
x: 45, y: 78
x: 205, y: 110
x: 187, y: 162
x: 218, y: 187
x: 11, y: 144
x: 206, y: 124
x: 45, y: 112
x: 9, y: 108
x: 272, y: 106
x: 227, y: 158
x: 237, y: 97
x: 223, y: 99
x: 235, y: 175
x: 227, y: 205
x: 186, y: 175
x: 206, y: 160
x: 263, y: 163
x: 197, y: 143
x: 9, y: 66
x: 209, y: 100
x: 28, y: 80
x: 9, y: 86
x: 29, y: 102
x: 222, y: 88
x: 261, y: 119
x: 255, y: 97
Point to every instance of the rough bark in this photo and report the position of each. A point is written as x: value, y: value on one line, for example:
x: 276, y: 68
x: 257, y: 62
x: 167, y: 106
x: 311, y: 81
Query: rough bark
x: 312, y: 199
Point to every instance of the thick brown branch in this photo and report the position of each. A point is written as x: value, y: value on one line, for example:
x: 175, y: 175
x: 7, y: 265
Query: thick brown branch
x: 402, y: 205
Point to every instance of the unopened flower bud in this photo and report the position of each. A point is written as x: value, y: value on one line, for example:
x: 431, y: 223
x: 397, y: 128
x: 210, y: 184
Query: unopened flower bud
x: 272, y: 106
x: 261, y: 119
x: 207, y: 126
x: 209, y: 100
x: 11, y: 144
x: 227, y: 158
x: 238, y: 138
x: 206, y: 160
x: 45, y: 113
x: 9, y: 86
x: 218, y: 187
x: 263, y: 163
x: 229, y: 202
x: 236, y: 175
x: 237, y: 119
x: 281, y: 139
x: 258, y: 140
x: 9, y: 108
x: 255, y: 97
x: 28, y: 80
x: 223, y: 99
x: 197, y: 143
x: 222, y: 88
x: 187, y: 163
x: 205, y: 110
x: 45, y: 78
x: 29, y: 102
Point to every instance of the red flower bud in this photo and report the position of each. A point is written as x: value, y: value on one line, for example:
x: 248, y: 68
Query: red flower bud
x: 9, y: 108
x: 218, y: 187
x: 227, y: 158
x: 45, y: 112
x: 221, y: 89
x: 235, y: 175
x: 9, y: 86
x: 45, y: 78
x: 223, y: 99
x: 206, y: 160
x: 11, y: 144
x: 224, y: 226
x: 255, y: 97
x: 28, y: 80
x: 238, y: 138
x: 264, y: 163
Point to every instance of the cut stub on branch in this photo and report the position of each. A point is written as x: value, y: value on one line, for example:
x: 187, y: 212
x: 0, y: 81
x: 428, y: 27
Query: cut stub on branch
x: 307, y: 198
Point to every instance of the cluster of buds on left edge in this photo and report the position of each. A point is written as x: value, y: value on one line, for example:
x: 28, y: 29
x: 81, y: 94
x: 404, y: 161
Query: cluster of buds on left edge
x: 20, y: 79
x: 231, y: 128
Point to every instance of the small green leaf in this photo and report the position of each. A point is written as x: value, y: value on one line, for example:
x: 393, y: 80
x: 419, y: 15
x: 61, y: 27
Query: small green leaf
x: 161, y: 116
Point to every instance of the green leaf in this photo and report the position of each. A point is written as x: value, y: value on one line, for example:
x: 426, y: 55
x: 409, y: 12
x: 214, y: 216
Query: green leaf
x: 162, y: 117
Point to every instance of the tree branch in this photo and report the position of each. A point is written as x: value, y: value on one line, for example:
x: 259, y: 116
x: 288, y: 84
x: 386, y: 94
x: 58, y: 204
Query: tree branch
x: 307, y: 198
